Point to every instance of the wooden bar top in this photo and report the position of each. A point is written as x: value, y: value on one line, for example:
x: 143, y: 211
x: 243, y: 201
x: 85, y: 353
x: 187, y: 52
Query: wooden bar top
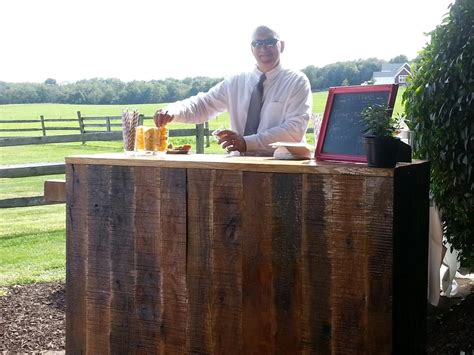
x: 227, y: 162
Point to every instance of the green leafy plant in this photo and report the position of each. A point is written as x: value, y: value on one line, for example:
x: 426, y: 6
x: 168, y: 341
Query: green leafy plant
x: 439, y: 104
x: 379, y: 121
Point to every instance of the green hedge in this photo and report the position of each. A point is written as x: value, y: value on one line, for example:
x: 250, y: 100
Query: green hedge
x: 440, y: 107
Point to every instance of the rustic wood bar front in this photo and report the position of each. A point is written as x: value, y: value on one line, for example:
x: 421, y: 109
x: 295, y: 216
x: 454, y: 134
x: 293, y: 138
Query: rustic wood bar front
x: 240, y: 255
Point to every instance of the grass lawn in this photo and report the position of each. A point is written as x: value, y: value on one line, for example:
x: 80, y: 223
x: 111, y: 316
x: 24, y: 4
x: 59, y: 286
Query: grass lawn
x: 32, y: 239
x: 32, y: 245
x: 25, y: 111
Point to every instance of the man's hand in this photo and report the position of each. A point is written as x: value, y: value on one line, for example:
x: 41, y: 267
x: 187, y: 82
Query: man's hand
x: 231, y: 141
x: 162, y: 118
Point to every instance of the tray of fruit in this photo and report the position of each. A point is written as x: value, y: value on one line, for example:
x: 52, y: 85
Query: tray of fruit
x: 180, y: 149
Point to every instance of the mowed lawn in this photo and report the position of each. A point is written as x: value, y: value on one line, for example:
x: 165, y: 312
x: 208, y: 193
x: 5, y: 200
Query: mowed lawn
x: 28, y: 111
x: 32, y: 239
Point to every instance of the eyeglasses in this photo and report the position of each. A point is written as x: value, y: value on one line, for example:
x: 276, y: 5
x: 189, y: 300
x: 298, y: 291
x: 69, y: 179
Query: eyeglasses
x: 269, y: 42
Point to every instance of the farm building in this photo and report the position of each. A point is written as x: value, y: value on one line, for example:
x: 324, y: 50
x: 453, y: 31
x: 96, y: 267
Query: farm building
x: 392, y: 73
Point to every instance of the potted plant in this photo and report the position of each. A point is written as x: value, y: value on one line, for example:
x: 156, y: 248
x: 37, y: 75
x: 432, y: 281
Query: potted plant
x: 380, y: 144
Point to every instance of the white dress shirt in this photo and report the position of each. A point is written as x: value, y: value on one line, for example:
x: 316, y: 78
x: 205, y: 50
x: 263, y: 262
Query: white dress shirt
x: 287, y: 106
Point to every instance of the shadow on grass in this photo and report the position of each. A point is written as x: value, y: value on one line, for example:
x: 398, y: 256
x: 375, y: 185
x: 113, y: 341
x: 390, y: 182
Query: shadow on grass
x: 19, y: 236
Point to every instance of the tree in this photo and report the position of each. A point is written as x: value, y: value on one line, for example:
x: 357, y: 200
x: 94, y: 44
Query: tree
x: 439, y: 104
x: 402, y: 58
x: 356, y: 72
x: 50, y: 81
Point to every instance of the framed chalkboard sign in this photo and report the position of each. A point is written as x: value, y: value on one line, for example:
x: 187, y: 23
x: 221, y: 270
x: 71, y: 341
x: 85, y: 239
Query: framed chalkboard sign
x: 341, y: 134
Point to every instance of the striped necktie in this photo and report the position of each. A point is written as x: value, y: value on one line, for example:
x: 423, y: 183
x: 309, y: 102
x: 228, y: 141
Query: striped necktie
x: 255, y: 106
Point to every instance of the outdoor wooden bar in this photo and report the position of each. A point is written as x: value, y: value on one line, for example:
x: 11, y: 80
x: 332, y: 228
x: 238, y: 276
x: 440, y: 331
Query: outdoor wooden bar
x: 214, y: 254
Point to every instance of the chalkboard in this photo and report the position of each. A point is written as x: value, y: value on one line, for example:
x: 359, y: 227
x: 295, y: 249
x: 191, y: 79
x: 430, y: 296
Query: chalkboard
x: 341, y: 134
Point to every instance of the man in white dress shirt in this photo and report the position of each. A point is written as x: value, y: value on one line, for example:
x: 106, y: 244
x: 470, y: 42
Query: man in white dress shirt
x: 285, y: 111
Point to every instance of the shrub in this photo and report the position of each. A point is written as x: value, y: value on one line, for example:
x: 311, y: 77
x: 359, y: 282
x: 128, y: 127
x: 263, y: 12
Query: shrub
x: 379, y: 120
x: 439, y: 104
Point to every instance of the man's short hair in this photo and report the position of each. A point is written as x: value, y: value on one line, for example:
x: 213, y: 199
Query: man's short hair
x: 266, y: 30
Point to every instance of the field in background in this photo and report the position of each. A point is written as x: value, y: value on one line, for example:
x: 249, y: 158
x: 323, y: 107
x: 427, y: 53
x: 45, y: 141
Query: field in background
x: 32, y: 239
x: 25, y: 111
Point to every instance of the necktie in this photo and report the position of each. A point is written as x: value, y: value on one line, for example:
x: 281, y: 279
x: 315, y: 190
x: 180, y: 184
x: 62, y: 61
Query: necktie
x: 255, y: 106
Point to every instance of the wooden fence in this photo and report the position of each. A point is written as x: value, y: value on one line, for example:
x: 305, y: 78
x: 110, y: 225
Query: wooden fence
x: 106, y: 128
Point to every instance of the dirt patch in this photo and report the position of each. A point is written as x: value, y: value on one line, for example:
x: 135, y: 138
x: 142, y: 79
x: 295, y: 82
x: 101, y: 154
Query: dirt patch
x: 32, y: 319
x: 451, y: 330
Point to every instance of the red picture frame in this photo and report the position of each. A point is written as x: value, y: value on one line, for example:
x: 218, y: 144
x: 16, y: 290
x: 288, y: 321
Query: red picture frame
x: 328, y: 147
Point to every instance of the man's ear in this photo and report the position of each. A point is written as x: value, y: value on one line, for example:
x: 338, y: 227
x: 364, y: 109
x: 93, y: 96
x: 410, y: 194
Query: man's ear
x: 282, y: 46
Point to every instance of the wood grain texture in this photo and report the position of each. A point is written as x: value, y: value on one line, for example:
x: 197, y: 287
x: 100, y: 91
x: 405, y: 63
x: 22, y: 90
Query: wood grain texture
x: 226, y: 264
x: 379, y: 261
x: 76, y: 250
x: 172, y: 251
x: 214, y: 261
x: 286, y: 260
x: 146, y: 320
x: 316, y: 265
x: 55, y: 190
x: 99, y: 262
x: 182, y: 260
x: 258, y: 313
x: 126, y: 243
x: 226, y: 162
x: 199, y: 262
x: 349, y: 273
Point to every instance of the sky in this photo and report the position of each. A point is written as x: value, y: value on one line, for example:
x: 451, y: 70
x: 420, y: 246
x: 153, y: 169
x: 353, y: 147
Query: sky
x: 70, y: 40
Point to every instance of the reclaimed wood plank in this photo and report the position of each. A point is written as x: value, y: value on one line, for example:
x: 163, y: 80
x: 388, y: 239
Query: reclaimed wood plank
x: 55, y: 190
x: 226, y: 266
x: 199, y: 261
x: 317, y: 273
x: 76, y: 261
x: 148, y: 259
x: 379, y: 258
x: 121, y: 248
x: 225, y: 162
x: 349, y: 273
x: 258, y: 313
x: 286, y: 260
x: 173, y: 228
x: 99, y: 264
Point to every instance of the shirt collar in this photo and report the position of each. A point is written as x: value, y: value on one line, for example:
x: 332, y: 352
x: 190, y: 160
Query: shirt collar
x: 269, y: 74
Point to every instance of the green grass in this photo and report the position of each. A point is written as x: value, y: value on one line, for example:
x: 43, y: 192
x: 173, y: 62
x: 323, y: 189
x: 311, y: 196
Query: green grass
x: 32, y: 245
x: 26, y: 111
x: 32, y: 239
x: 34, y: 111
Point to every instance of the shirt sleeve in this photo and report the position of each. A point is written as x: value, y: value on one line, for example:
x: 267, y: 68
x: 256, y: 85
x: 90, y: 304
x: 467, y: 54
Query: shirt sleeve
x: 295, y: 122
x: 201, y: 107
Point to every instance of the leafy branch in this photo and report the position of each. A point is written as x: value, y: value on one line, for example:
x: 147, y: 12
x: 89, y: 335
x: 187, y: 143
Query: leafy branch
x: 379, y: 120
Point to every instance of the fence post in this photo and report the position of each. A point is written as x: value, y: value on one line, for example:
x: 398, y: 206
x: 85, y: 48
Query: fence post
x: 107, y: 122
x: 200, y: 138
x: 140, y: 119
x: 206, y: 126
x: 81, y: 124
x: 42, y: 125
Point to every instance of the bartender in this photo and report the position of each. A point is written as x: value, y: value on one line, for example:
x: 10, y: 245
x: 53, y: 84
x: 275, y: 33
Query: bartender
x: 266, y: 105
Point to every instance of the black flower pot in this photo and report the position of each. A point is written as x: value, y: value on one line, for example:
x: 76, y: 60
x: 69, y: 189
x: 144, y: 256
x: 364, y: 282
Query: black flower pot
x: 381, y: 151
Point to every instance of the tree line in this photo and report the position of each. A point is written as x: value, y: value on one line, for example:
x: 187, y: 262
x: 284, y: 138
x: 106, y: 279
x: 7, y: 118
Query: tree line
x: 114, y: 91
